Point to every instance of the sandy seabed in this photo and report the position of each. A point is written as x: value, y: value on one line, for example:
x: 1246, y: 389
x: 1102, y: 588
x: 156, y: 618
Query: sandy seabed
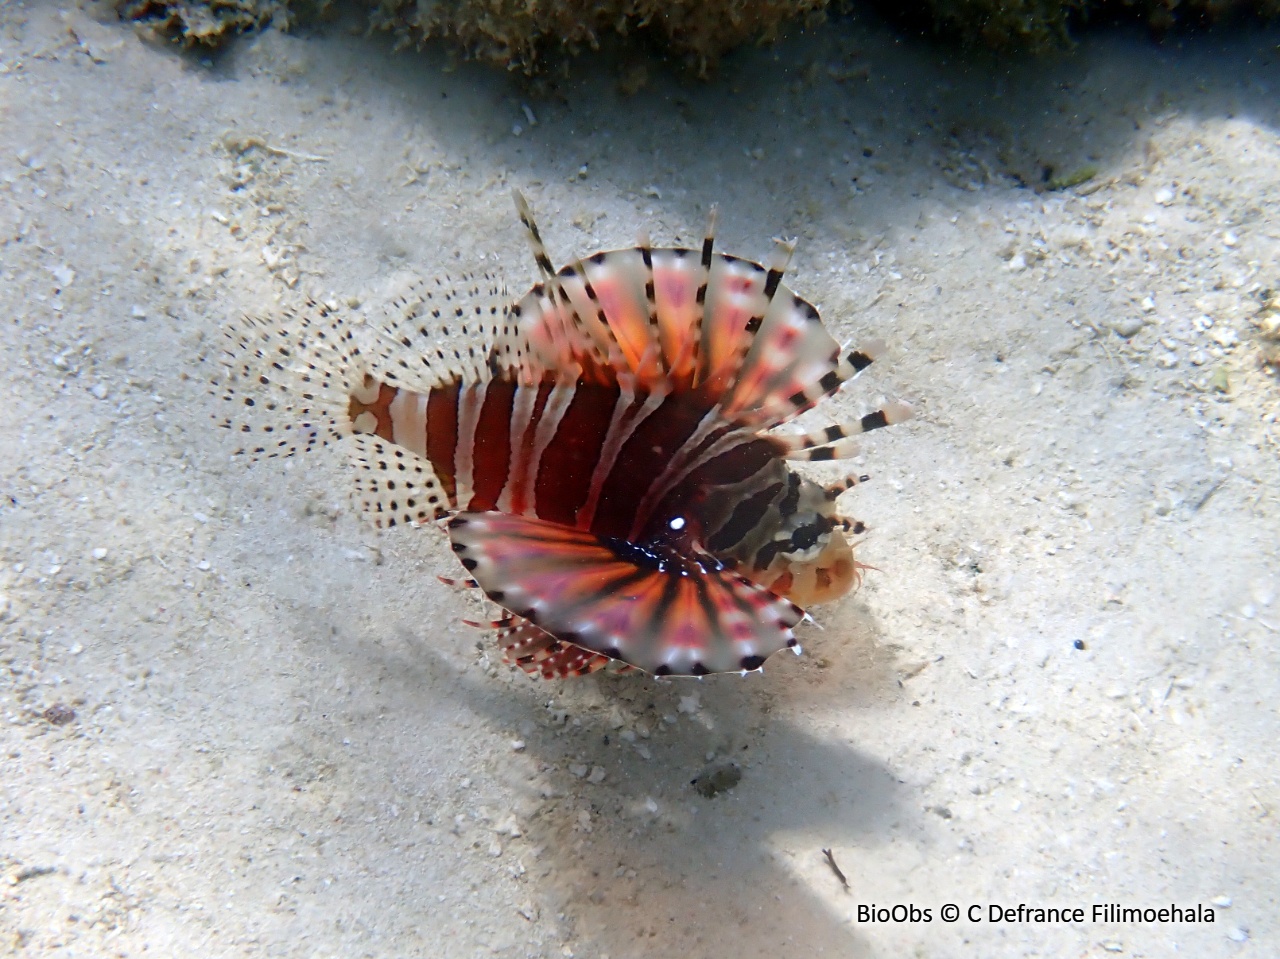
x: 236, y: 721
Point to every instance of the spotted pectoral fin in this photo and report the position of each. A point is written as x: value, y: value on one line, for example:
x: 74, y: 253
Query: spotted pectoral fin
x: 652, y: 608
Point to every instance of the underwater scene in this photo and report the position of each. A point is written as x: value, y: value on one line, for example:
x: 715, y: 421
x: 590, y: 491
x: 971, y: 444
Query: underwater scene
x: 752, y: 478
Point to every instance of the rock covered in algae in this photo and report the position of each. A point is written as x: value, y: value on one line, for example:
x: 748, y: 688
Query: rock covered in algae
x: 520, y: 34
x: 514, y: 33
x: 208, y: 23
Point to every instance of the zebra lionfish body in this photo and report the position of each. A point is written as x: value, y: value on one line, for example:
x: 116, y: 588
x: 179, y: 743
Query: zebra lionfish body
x: 600, y: 450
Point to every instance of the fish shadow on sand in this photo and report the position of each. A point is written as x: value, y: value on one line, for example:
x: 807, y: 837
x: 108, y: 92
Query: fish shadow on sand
x: 621, y: 840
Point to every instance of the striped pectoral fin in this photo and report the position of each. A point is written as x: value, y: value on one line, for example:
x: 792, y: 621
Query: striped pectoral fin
x: 833, y: 491
x: 733, y: 365
x: 837, y: 441
x: 649, y: 607
x: 768, y: 355
x: 814, y: 377
x: 794, y: 366
x: 394, y: 486
x: 733, y: 297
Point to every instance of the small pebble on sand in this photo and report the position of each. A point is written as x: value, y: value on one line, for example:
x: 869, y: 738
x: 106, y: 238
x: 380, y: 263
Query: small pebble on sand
x: 1128, y: 326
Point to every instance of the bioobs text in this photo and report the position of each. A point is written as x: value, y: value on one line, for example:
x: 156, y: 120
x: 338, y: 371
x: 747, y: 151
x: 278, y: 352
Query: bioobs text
x: 908, y: 912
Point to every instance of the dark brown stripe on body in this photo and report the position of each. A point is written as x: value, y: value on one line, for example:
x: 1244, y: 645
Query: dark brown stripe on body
x: 564, y: 474
x: 522, y: 490
x: 442, y: 434
x: 730, y: 468
x: 491, y: 450
x: 745, y: 518
x: 641, y: 461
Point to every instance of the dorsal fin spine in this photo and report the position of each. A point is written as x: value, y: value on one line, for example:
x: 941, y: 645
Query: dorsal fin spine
x: 653, y: 352
x: 613, y: 354
x: 704, y: 278
x: 552, y: 291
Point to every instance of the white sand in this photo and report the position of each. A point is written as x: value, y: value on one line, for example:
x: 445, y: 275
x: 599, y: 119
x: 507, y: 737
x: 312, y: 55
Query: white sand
x: 284, y: 742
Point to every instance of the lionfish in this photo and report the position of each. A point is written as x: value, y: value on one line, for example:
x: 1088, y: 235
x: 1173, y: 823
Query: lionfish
x: 601, y: 452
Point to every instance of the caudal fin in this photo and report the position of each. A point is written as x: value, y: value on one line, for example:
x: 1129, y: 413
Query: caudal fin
x: 289, y: 380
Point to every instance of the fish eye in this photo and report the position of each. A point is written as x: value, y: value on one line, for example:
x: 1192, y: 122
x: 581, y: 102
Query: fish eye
x: 676, y: 522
